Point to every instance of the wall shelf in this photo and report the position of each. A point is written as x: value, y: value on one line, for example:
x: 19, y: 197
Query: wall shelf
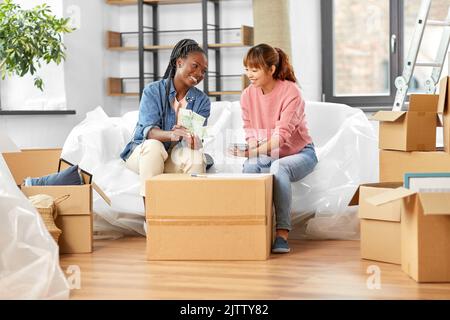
x: 35, y: 112
x: 115, y: 87
x: 115, y: 42
x: 134, y: 2
x: 224, y: 93
x: 246, y: 39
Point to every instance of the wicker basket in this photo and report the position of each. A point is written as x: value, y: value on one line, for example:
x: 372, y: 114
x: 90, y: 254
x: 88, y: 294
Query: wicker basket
x: 46, y: 206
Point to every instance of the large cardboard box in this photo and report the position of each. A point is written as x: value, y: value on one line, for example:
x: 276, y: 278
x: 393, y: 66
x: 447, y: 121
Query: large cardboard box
x: 380, y: 225
x: 399, y: 129
x: 75, y: 213
x: 209, y: 217
x: 425, y: 233
x: 394, y: 164
x: 444, y: 110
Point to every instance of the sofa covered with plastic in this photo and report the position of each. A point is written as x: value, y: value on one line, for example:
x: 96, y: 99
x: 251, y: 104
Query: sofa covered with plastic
x: 346, y: 146
x: 29, y: 259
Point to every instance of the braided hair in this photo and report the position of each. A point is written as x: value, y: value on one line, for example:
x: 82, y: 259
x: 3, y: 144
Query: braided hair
x: 181, y: 50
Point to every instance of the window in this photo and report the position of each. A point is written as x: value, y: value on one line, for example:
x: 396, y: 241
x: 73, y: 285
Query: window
x: 19, y: 93
x: 360, y: 55
x: 364, y: 46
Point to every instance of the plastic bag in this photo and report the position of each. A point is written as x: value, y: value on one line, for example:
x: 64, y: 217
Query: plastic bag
x: 29, y: 260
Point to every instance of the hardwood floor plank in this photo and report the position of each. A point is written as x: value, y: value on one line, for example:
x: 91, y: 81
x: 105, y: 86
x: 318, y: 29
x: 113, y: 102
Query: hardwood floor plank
x: 118, y: 269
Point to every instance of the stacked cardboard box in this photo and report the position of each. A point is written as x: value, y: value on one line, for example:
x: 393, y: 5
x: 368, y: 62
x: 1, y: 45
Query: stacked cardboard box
x: 75, y: 213
x: 411, y: 146
x: 399, y: 225
x: 209, y: 217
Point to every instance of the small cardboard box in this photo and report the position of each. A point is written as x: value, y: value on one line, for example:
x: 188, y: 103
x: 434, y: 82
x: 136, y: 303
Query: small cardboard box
x: 380, y: 225
x: 425, y: 233
x: 444, y: 110
x: 412, y: 130
x: 394, y: 164
x: 209, y: 217
x: 75, y: 213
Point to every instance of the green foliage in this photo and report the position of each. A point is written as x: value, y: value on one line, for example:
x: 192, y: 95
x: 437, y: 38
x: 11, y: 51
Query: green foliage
x: 28, y: 37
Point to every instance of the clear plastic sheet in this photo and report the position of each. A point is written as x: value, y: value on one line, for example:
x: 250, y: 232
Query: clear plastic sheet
x: 95, y: 145
x: 347, y: 148
x: 29, y: 259
x: 346, y: 145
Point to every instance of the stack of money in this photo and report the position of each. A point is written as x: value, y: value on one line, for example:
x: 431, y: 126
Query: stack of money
x: 193, y: 122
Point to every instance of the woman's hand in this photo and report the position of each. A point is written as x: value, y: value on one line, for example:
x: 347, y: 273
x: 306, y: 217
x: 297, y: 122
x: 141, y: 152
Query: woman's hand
x: 178, y: 133
x: 194, y: 142
x: 235, y: 151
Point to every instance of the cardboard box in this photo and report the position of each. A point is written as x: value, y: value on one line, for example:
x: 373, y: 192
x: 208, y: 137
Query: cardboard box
x: 380, y: 225
x: 444, y: 110
x: 394, y: 164
x: 425, y: 233
x: 211, y: 217
x: 75, y: 213
x: 399, y: 129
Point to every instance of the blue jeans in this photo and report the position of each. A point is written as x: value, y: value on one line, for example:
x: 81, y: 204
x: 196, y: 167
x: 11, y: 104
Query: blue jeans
x: 285, y: 171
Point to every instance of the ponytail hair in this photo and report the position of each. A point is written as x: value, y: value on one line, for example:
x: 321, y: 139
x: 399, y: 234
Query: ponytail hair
x: 284, y: 70
x: 264, y: 56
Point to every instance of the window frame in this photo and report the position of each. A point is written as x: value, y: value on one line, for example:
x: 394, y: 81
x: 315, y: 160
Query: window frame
x: 395, y: 59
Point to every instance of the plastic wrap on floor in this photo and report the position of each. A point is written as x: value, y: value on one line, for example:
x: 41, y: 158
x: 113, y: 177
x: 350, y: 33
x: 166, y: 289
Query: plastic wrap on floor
x: 29, y: 259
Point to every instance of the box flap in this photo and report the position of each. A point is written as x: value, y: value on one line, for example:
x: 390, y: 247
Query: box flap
x: 442, y: 95
x: 389, y: 116
x: 355, y: 199
x: 101, y: 193
x: 32, y: 163
x: 435, y: 203
x: 390, y: 195
x: 423, y: 102
x: 439, y: 120
x: 87, y: 179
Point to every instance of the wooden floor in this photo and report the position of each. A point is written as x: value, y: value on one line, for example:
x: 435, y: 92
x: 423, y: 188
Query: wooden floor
x: 314, y: 270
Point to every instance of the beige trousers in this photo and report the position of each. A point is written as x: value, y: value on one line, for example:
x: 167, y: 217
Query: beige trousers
x: 150, y: 159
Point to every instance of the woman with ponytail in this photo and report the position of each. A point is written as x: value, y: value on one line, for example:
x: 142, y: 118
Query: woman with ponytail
x: 159, y: 143
x: 273, y: 112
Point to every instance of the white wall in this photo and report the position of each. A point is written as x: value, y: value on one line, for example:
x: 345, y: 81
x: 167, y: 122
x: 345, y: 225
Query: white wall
x: 306, y: 46
x: 88, y: 62
x: 83, y: 78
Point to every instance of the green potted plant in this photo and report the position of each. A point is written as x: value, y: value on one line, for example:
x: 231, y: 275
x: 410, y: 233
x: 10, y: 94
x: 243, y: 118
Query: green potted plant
x: 29, y: 37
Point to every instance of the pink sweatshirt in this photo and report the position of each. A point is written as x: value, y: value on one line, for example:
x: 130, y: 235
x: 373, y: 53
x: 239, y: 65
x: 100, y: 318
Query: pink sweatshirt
x: 281, y: 112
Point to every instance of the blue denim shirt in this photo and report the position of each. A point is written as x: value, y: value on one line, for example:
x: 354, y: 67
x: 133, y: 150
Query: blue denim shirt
x: 152, y: 113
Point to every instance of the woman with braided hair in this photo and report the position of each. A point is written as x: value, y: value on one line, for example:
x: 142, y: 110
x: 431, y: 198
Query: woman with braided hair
x: 159, y: 144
